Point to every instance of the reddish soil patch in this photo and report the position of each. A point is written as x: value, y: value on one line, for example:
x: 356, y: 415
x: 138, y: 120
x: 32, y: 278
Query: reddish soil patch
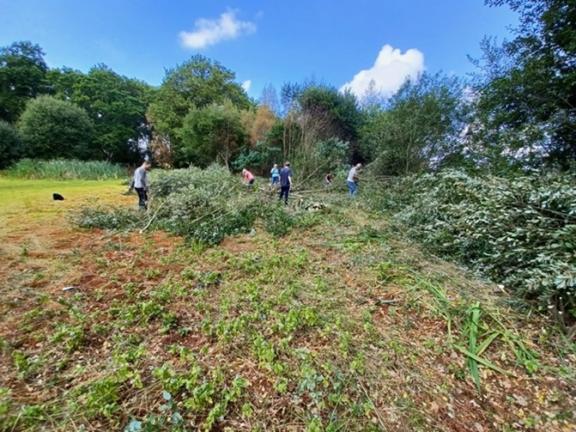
x: 240, y: 245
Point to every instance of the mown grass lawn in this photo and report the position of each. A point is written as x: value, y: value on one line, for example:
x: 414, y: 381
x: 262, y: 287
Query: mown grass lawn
x: 32, y: 199
x: 340, y: 325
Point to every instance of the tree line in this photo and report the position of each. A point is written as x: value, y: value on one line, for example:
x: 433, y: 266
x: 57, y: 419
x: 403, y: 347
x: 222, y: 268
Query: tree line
x: 516, y: 113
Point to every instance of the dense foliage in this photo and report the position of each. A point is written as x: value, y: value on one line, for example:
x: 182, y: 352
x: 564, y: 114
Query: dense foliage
x: 116, y: 105
x: 201, y: 205
x: 200, y: 115
x: 418, y: 129
x: 10, y: 144
x: 192, y: 86
x: 520, y: 232
x: 326, y: 113
x: 65, y: 169
x: 212, y: 133
x: 318, y: 131
x: 518, y: 112
x: 53, y: 128
x: 22, y: 77
x: 527, y: 103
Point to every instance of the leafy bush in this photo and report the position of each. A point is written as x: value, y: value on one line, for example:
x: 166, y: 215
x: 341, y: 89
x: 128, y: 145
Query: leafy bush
x: 62, y: 169
x: 520, y: 232
x: 54, y: 128
x: 259, y: 158
x: 212, y: 133
x: 10, y: 144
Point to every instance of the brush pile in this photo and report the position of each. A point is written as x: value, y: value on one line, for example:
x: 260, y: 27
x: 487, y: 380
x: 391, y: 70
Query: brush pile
x: 518, y: 231
x: 202, y: 205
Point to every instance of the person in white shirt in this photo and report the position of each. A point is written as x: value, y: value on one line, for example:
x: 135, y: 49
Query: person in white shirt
x: 352, y: 179
x: 141, y: 184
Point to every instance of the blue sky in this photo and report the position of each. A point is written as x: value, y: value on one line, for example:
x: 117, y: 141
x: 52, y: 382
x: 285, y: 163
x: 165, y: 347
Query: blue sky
x: 261, y: 41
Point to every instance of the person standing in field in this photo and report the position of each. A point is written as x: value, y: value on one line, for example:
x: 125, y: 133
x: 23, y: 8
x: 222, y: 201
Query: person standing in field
x: 352, y: 179
x: 274, y: 175
x: 248, y: 177
x: 131, y: 185
x: 141, y: 184
x: 285, y: 182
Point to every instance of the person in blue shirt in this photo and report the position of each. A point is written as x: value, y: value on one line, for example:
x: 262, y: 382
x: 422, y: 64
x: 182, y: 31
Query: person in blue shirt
x: 275, y: 175
x: 285, y: 182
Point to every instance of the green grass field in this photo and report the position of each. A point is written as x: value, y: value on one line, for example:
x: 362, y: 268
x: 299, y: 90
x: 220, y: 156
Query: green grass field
x: 31, y: 200
x: 339, y: 326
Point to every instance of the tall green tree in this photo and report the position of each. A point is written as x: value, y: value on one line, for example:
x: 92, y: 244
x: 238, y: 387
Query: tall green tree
x: 117, y: 106
x: 316, y: 117
x: 193, y: 85
x: 527, y: 103
x: 319, y: 118
x: 22, y: 77
x: 52, y: 128
x: 419, y: 127
x: 330, y: 114
x: 212, y: 133
x: 62, y: 82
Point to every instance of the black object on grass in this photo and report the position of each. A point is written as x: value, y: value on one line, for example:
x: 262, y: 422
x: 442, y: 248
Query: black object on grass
x: 57, y: 197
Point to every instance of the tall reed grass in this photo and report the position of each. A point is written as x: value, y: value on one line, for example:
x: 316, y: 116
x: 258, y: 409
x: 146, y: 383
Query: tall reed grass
x: 66, y: 169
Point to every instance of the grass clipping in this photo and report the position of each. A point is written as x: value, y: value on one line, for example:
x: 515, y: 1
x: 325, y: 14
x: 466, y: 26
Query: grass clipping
x: 201, y: 205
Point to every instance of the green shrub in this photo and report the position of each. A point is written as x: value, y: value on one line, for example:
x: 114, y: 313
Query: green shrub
x: 55, y: 128
x: 66, y: 169
x: 520, y: 232
x: 10, y: 144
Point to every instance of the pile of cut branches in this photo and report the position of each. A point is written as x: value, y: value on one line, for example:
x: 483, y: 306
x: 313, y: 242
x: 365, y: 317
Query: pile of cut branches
x: 203, y: 205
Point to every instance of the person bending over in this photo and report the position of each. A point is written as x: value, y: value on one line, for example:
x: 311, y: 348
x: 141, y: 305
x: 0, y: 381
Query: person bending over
x: 248, y: 177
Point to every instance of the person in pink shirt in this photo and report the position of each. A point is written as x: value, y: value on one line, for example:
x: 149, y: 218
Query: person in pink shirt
x: 248, y: 177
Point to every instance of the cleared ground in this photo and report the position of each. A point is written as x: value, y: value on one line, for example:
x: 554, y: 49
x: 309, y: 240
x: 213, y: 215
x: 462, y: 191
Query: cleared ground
x: 341, y: 325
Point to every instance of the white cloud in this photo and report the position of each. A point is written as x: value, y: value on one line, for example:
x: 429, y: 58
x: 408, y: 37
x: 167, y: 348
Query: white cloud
x: 246, y: 85
x: 390, y: 71
x: 209, y: 32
